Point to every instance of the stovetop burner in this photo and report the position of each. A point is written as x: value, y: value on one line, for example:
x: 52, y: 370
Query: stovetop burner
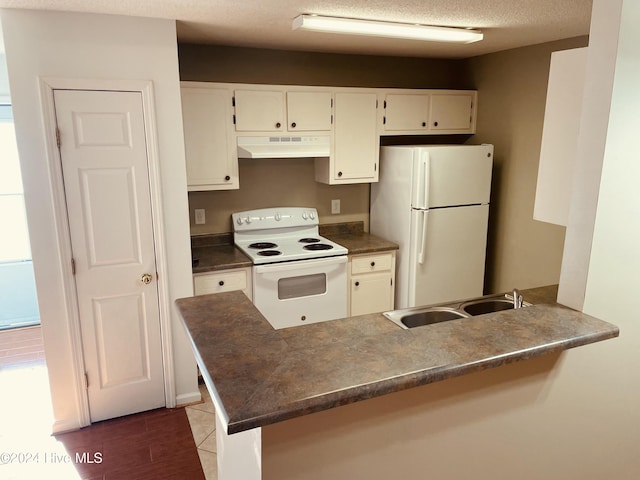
x: 309, y: 240
x: 282, y: 234
x: 318, y: 246
x: 269, y: 253
x: 261, y: 245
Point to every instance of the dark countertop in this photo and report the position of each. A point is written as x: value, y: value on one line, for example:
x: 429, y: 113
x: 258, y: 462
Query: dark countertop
x: 215, y: 252
x: 212, y: 258
x: 258, y: 375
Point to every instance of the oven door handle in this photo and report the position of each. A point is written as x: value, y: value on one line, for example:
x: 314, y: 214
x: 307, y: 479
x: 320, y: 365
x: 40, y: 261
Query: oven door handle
x: 300, y: 264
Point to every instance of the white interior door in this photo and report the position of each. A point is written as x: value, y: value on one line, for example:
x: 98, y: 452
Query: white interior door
x: 448, y: 254
x: 106, y: 177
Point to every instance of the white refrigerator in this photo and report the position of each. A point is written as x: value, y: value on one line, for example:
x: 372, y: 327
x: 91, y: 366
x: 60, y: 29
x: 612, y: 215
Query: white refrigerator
x: 433, y: 201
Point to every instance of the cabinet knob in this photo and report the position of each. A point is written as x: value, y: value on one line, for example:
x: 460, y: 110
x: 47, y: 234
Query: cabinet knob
x: 227, y: 178
x: 424, y: 124
x: 357, y: 284
x: 303, y: 318
x: 435, y: 124
x: 293, y: 124
x: 373, y: 264
x: 339, y: 174
x: 221, y: 283
x: 278, y: 124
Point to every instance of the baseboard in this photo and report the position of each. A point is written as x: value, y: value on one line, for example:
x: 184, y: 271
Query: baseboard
x: 188, y: 398
x: 61, y: 426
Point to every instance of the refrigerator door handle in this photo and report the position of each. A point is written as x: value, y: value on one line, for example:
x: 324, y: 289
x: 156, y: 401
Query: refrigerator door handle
x: 420, y: 199
x: 423, y: 239
x: 425, y: 198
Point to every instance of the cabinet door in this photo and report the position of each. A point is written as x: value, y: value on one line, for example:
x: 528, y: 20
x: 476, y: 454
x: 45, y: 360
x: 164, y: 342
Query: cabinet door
x: 356, y: 141
x: 212, y: 159
x: 371, y: 293
x: 406, y: 112
x: 309, y: 111
x: 259, y: 111
x: 452, y: 112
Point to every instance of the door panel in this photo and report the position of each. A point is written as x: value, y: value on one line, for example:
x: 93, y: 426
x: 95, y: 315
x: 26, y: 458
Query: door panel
x: 451, y: 111
x: 371, y: 293
x: 355, y: 144
x: 453, y: 254
x: 406, y: 112
x: 308, y: 111
x: 104, y: 161
x: 122, y: 351
x: 259, y: 111
x: 118, y: 241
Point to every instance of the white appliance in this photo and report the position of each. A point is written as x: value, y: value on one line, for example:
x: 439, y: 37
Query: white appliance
x: 299, y: 277
x: 284, y: 147
x: 434, y: 202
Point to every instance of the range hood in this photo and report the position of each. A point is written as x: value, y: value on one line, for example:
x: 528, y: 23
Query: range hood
x: 284, y: 147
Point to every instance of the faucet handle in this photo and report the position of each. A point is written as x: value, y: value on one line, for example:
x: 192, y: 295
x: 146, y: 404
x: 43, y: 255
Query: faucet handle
x: 517, y: 299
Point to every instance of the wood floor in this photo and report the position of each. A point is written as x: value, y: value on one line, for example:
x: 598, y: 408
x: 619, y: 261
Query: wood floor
x: 151, y: 445
x: 158, y: 444
x: 20, y: 346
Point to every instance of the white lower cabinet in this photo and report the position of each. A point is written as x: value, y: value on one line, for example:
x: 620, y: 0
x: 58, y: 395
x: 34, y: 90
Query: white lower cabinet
x: 371, y: 283
x: 224, y: 281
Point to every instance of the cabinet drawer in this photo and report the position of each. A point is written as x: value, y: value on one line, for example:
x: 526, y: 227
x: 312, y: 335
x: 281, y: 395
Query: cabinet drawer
x: 220, y: 282
x: 371, y: 263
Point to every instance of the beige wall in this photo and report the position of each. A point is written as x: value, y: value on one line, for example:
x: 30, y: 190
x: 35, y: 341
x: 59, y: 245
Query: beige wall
x: 512, y: 88
x: 269, y: 183
x: 279, y: 183
x: 252, y: 65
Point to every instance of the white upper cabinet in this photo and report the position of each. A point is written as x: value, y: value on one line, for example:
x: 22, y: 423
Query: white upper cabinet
x: 560, y: 131
x: 211, y: 154
x: 309, y: 111
x: 355, y: 143
x: 266, y: 111
x: 429, y: 112
x: 452, y: 112
x: 217, y: 114
x: 406, y: 112
x: 260, y: 111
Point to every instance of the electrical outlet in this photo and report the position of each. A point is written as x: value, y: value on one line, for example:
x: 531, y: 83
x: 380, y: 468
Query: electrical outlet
x: 200, y: 218
x: 335, y: 206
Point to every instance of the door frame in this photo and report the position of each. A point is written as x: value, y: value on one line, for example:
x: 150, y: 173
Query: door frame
x: 47, y: 85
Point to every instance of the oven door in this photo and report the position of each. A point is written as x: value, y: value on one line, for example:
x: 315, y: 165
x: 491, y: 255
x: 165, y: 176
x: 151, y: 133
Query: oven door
x: 306, y: 291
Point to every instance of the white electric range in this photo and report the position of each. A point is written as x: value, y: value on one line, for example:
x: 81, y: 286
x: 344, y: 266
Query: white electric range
x: 299, y: 277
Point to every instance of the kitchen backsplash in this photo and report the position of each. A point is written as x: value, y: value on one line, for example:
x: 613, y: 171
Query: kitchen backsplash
x: 278, y: 183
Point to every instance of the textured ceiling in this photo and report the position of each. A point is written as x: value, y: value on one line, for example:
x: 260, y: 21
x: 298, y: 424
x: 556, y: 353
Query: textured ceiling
x: 267, y: 23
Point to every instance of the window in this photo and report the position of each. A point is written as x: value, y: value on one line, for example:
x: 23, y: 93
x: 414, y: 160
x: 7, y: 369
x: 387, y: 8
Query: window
x: 14, y: 243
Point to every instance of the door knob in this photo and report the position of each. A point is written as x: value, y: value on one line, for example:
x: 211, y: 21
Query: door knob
x: 146, y: 278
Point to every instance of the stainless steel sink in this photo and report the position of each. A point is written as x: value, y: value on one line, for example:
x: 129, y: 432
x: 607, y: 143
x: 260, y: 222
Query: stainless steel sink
x: 487, y: 306
x: 427, y: 315
x: 418, y: 317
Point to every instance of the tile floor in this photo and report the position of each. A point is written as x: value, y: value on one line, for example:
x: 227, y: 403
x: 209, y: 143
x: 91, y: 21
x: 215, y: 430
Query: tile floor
x: 203, y: 426
x: 26, y: 419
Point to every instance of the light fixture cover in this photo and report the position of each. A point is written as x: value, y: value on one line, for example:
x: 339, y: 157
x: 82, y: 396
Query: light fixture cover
x: 374, y: 28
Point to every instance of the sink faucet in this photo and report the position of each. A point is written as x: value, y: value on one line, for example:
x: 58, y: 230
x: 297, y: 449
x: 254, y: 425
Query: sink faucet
x: 517, y: 299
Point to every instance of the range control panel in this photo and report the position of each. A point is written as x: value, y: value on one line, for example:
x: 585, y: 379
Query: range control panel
x: 270, y: 218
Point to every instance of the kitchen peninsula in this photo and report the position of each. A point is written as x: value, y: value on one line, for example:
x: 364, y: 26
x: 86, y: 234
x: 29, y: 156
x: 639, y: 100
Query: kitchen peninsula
x: 259, y: 376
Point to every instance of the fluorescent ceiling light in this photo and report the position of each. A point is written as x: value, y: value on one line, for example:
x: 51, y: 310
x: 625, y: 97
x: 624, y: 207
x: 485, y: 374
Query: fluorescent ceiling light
x: 386, y: 29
